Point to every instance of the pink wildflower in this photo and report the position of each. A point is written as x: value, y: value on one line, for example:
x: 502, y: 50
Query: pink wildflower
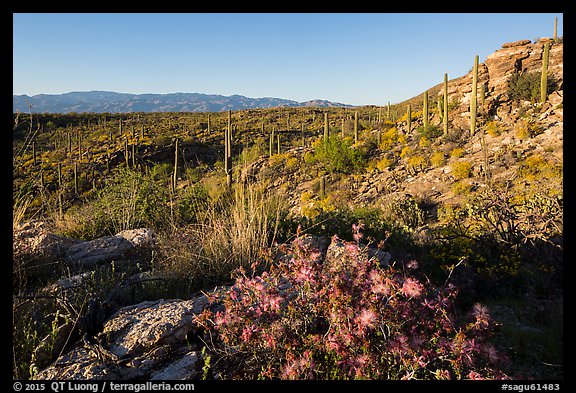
x: 367, y: 318
x: 248, y: 332
x: 412, y: 288
x: 412, y: 264
x: 475, y: 376
x: 480, y: 312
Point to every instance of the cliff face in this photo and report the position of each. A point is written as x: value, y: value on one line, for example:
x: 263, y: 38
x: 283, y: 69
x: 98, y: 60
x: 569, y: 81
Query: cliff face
x: 520, y: 56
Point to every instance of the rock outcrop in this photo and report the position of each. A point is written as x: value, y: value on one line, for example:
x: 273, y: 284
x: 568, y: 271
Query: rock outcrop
x: 144, y: 341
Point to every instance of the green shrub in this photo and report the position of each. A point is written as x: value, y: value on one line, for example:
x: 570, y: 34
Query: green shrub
x: 461, y: 170
x: 494, y: 128
x: 526, y: 86
x: 437, y: 159
x: 337, y: 155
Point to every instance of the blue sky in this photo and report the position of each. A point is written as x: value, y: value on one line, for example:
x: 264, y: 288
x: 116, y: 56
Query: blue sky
x: 352, y: 58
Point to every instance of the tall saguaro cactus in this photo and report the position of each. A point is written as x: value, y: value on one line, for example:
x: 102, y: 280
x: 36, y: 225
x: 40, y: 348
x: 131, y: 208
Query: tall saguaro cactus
x: 271, y: 150
x: 425, y: 111
x: 228, y: 151
x: 175, y: 175
x: 544, y: 78
x: 473, y: 98
x: 409, y: 117
x: 556, y: 29
x: 355, y: 127
x: 445, y: 116
x: 326, y: 127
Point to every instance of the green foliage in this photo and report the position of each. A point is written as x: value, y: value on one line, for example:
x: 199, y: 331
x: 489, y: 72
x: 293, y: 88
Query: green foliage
x: 527, y: 128
x: 431, y: 132
x: 494, y: 128
x: 536, y: 167
x: 437, y: 159
x: 526, y: 86
x: 461, y: 169
x: 338, y: 156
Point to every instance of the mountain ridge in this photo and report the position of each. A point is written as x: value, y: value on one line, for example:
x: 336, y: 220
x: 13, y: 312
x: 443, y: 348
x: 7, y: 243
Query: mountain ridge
x: 100, y: 101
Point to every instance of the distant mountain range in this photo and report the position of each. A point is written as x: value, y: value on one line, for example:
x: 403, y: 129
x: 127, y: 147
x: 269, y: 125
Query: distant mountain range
x: 111, y: 102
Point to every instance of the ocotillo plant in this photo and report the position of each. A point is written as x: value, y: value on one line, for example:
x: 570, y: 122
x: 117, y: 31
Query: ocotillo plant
x: 355, y: 127
x: 326, y: 127
x: 445, y: 118
x: 474, y: 96
x: 34, y: 152
x: 544, y: 77
x: 409, y: 118
x: 425, y: 111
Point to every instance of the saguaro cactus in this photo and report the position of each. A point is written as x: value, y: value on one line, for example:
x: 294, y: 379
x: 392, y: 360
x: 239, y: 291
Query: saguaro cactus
x: 228, y: 151
x: 544, y: 78
x: 409, y: 117
x: 278, y: 140
x: 271, y: 150
x: 126, y: 155
x: 445, y: 115
x: 473, y: 98
x: 75, y: 177
x: 323, y: 187
x: 425, y: 111
x: 556, y: 28
x: 175, y: 175
x: 326, y: 127
x: 355, y: 127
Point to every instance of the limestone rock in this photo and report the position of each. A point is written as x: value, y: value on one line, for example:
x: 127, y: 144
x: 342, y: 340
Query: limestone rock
x: 141, y: 237
x: 135, y: 329
x: 100, y: 250
x: 516, y: 43
x: 144, y: 341
x: 35, y: 241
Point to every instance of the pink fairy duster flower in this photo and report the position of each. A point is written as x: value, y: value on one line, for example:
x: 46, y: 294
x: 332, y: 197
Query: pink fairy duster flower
x: 412, y: 264
x: 367, y: 318
x: 412, y: 288
x: 475, y: 376
x: 481, y: 313
x: 248, y: 332
x: 290, y: 370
